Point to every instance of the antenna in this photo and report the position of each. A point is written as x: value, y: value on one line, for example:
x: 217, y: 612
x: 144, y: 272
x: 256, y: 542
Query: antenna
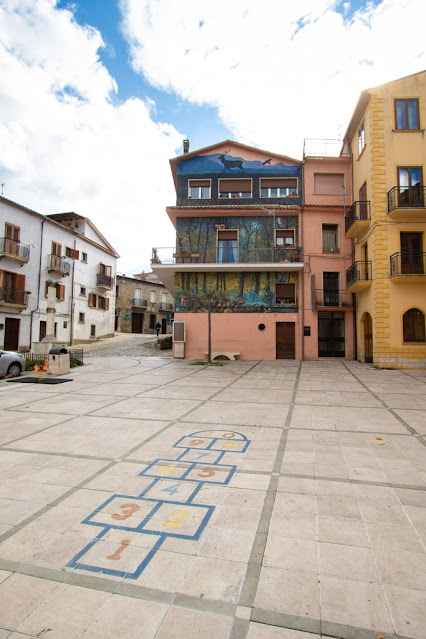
x: 2, y: 185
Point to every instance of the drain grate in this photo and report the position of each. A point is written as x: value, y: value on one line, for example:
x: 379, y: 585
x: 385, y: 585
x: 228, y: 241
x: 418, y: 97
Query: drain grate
x: 34, y: 380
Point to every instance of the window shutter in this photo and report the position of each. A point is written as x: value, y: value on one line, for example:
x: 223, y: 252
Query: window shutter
x: 278, y: 183
x: 106, y: 303
x: 329, y: 183
x: 46, y: 289
x: 199, y: 183
x: 1, y: 278
x: 227, y: 235
x: 235, y: 186
x: 60, y: 292
x: 284, y: 290
x: 20, y: 282
x: 74, y: 254
x: 91, y: 301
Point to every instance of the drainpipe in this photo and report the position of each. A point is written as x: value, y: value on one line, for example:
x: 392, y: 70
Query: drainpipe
x: 302, y: 283
x: 38, y: 287
x: 71, y: 314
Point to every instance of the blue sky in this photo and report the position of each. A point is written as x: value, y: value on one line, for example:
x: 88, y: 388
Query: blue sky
x: 97, y: 95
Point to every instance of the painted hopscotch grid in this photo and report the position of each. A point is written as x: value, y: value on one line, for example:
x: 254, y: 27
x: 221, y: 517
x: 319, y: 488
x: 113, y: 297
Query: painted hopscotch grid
x: 157, y: 514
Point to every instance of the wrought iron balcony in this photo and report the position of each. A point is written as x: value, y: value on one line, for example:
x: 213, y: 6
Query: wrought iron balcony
x: 14, y: 250
x: 357, y: 219
x: 137, y: 302
x: 255, y: 255
x: 407, y: 263
x: 104, y: 281
x: 358, y: 276
x: 403, y: 197
x: 166, y: 306
x: 57, y: 263
x: 14, y: 297
x: 341, y: 299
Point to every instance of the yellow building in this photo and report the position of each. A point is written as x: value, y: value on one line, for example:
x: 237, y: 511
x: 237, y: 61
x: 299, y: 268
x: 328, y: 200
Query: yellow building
x: 387, y: 222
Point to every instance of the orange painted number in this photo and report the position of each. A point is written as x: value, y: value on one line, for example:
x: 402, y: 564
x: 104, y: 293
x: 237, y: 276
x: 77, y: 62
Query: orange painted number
x: 130, y: 509
x: 178, y: 516
x: 196, y: 442
x: 229, y: 435
x: 206, y: 472
x: 117, y: 555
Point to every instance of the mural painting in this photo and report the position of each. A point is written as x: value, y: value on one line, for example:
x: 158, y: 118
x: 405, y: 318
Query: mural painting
x: 229, y: 164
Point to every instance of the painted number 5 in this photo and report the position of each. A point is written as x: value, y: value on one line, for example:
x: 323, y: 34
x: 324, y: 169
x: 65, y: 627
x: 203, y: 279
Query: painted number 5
x: 207, y: 472
x: 178, y: 516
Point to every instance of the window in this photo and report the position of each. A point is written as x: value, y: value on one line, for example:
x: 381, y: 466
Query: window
x: 278, y: 187
x: 284, y: 238
x: 152, y: 321
x: 96, y: 301
x: 361, y: 138
x: 81, y: 318
x: 72, y: 253
x: 12, y: 232
x: 410, y: 182
x: 414, y: 326
x: 60, y: 292
x: 330, y: 238
x: 42, y: 330
x: 329, y: 183
x: 234, y: 188
x: 152, y: 298
x: 227, y: 246
x: 407, y: 115
x: 82, y: 290
x: 92, y: 330
x: 56, y: 249
x: 330, y: 283
x: 363, y: 206
x: 84, y: 257
x: 285, y: 293
x: 199, y: 189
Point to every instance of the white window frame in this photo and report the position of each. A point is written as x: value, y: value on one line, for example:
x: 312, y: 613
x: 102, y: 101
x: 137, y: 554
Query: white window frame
x: 153, y: 297
x: 281, y: 191
x: 361, y: 138
x: 234, y: 195
x: 284, y: 245
x: 200, y: 195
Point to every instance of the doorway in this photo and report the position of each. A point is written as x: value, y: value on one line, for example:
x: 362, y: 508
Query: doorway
x: 42, y: 330
x: 285, y: 340
x: 368, y: 338
x: 11, y: 334
x: 331, y: 288
x: 331, y: 334
x: 137, y: 322
x: 412, y: 253
x: 163, y: 325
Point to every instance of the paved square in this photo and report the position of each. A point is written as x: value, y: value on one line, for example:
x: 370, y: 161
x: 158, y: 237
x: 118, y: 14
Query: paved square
x: 260, y: 500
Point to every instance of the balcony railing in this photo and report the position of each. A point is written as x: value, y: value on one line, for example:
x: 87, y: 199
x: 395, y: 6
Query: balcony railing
x: 56, y: 263
x: 136, y: 301
x: 254, y: 255
x: 166, y: 306
x: 358, y: 272
x: 406, y: 197
x: 14, y: 249
x: 341, y: 299
x: 13, y: 296
x: 359, y: 211
x: 406, y: 263
x: 104, y: 281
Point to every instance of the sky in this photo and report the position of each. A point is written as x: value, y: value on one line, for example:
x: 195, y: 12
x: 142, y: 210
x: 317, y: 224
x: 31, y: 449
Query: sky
x: 97, y: 95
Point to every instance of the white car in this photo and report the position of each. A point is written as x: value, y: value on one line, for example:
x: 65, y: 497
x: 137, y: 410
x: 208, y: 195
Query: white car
x: 11, y: 364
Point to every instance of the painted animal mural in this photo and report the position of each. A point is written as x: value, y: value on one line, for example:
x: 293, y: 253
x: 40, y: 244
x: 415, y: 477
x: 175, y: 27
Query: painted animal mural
x: 230, y: 164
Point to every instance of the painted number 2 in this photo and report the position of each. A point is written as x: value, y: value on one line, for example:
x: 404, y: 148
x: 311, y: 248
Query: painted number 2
x: 178, y: 516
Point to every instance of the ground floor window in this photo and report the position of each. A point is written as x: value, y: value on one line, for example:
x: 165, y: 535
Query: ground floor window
x: 92, y: 330
x: 152, y: 321
x: 331, y: 334
x: 414, y: 326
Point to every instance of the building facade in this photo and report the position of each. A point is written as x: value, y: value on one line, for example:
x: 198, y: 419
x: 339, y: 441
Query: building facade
x: 141, y: 303
x: 387, y: 223
x: 65, y: 251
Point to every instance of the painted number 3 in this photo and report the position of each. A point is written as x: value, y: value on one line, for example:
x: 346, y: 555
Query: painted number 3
x: 176, y: 517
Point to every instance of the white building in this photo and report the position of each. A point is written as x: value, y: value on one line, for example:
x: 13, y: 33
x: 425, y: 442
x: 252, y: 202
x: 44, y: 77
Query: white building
x: 64, y: 250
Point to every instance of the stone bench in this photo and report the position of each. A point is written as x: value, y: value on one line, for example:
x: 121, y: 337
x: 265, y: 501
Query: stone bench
x: 229, y: 354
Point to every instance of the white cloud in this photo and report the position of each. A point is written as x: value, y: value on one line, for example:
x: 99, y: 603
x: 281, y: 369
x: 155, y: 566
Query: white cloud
x: 277, y: 71
x: 67, y: 144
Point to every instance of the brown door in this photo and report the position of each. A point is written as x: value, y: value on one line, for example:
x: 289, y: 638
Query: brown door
x: 285, y: 340
x: 11, y: 334
x: 411, y: 253
x: 42, y: 331
x: 163, y: 326
x: 137, y: 323
x: 368, y: 339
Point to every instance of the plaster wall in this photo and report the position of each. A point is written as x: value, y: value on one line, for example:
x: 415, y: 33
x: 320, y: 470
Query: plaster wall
x: 326, y: 165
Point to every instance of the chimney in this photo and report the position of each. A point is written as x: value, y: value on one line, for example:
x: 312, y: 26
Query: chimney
x: 186, y: 146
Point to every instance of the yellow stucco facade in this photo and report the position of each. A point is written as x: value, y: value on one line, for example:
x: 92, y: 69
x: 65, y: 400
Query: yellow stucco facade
x: 387, y: 141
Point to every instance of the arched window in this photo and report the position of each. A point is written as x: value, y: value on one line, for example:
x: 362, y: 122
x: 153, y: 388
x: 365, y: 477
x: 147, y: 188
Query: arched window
x: 414, y: 326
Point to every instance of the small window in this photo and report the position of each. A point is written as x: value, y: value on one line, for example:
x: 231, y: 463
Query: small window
x: 152, y: 321
x: 199, y: 189
x: 361, y: 138
x: 84, y: 257
x: 329, y: 183
x: 152, y: 298
x: 81, y: 318
x: 285, y: 293
x: 92, y: 330
x: 227, y: 246
x: 72, y: 253
x: 82, y: 290
x: 278, y: 187
x: 234, y: 188
x: 414, y: 326
x: 330, y: 234
x: 407, y: 115
x: 60, y: 292
x: 56, y: 249
x: 284, y: 238
x: 12, y: 232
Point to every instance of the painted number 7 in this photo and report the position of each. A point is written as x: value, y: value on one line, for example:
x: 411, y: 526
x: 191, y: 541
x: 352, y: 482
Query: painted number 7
x: 178, y: 516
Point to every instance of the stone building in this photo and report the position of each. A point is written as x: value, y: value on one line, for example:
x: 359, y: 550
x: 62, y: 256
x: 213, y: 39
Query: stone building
x: 140, y: 304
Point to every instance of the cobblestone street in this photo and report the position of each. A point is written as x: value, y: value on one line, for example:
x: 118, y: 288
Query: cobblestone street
x: 126, y: 345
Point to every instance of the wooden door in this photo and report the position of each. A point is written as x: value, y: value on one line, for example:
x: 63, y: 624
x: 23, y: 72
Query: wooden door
x: 163, y: 326
x: 368, y: 338
x: 285, y: 340
x: 137, y: 323
x: 412, y: 253
x: 42, y: 330
x: 11, y: 334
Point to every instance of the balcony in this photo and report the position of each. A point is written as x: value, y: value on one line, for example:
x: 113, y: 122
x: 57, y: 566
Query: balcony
x: 408, y: 267
x: 165, y: 306
x: 357, y: 219
x: 105, y: 282
x: 13, y: 298
x: 14, y: 250
x: 358, y: 277
x: 138, y: 303
x: 57, y: 264
x: 333, y: 298
x: 407, y: 203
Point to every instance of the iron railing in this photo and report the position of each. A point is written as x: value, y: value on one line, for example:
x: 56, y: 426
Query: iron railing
x: 13, y: 296
x: 12, y: 247
x: 359, y: 211
x: 335, y: 298
x: 412, y: 197
x: 75, y: 353
x: 406, y: 263
x: 136, y: 301
x: 358, y: 272
x: 56, y: 263
x: 104, y: 280
x: 166, y: 306
x: 171, y: 255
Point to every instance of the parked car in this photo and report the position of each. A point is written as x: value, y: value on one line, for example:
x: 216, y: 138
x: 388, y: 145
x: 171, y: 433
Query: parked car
x: 11, y: 364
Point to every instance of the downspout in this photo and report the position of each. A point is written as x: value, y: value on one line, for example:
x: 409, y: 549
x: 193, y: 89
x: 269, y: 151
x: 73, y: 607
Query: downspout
x: 72, y: 299
x: 39, y: 281
x: 302, y: 283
